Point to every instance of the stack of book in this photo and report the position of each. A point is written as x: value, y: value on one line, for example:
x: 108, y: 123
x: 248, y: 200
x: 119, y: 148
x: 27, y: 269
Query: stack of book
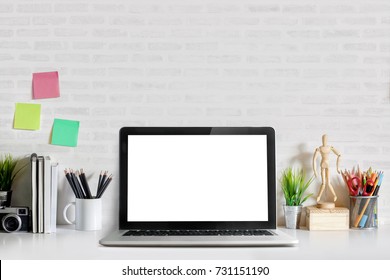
x: 35, y: 187
x: 44, y: 184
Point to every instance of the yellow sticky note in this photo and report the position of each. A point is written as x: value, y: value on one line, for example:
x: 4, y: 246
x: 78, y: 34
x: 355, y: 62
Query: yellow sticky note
x: 27, y: 116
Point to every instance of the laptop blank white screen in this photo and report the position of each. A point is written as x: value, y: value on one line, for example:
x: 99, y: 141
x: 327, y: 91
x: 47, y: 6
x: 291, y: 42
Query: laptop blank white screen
x: 197, y: 178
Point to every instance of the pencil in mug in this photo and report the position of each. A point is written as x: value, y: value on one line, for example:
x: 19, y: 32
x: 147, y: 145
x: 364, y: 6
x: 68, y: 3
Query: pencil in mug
x: 101, y: 183
x: 100, y: 180
x: 104, y: 187
x: 84, y: 184
x: 367, y: 219
x: 71, y: 183
x: 358, y: 218
x: 79, y: 189
x: 369, y: 216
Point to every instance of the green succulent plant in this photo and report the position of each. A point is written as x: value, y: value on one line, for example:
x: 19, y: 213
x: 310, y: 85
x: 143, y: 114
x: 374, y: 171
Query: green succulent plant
x: 294, y: 185
x: 7, y: 172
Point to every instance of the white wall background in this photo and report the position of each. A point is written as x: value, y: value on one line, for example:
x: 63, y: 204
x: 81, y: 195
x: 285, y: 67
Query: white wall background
x: 303, y: 67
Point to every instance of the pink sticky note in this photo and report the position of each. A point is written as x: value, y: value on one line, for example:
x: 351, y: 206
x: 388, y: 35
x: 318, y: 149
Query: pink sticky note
x: 45, y: 85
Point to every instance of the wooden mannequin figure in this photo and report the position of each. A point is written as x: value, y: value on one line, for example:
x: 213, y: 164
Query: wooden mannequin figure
x: 324, y: 151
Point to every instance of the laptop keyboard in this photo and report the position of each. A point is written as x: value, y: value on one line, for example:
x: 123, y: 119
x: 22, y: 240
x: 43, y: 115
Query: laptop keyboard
x: 213, y: 232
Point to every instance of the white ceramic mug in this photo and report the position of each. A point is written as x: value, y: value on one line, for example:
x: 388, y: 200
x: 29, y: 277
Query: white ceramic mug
x: 88, y: 215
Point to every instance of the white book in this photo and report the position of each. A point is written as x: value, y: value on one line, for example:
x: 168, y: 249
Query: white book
x: 40, y: 194
x: 34, y: 193
x: 46, y: 194
x: 54, y: 188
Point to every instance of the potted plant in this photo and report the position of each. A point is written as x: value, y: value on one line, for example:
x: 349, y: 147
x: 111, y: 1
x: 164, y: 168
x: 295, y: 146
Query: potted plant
x: 294, y: 185
x: 7, y: 176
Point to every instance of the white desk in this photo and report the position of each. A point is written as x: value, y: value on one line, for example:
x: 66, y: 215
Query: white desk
x: 68, y: 243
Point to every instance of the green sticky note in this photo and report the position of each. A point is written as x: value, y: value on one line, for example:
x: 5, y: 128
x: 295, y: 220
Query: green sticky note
x: 27, y: 116
x: 65, y: 133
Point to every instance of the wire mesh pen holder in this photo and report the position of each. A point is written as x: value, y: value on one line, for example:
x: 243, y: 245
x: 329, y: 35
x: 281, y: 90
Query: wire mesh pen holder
x: 363, y: 212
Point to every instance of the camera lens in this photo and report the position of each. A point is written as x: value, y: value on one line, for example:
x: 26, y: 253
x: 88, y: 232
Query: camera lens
x: 11, y: 223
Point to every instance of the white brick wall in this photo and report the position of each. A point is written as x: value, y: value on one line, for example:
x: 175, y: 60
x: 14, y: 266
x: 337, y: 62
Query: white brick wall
x: 303, y: 67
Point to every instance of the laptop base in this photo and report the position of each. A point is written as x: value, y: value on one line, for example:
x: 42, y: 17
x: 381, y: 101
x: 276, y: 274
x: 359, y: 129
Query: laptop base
x: 117, y: 239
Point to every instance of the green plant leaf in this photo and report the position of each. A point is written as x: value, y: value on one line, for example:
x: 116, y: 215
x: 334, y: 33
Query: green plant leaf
x: 294, y: 185
x: 7, y: 172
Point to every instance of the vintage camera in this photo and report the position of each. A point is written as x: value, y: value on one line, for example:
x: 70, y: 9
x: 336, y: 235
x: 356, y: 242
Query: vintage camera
x: 14, y: 219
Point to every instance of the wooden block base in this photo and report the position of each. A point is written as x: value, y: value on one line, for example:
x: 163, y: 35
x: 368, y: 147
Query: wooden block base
x: 326, y: 205
x: 327, y: 219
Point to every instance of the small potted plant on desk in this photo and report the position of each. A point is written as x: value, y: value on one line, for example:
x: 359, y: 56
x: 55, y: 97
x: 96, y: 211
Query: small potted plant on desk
x: 294, y: 185
x: 7, y: 176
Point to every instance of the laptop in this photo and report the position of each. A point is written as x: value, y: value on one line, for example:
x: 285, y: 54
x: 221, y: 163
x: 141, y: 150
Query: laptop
x: 197, y: 186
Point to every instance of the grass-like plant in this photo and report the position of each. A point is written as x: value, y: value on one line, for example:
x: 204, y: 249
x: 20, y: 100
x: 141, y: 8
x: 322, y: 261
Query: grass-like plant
x: 7, y: 172
x: 294, y: 185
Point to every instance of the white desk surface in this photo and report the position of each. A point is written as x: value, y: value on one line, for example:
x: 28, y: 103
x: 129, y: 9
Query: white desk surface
x: 70, y: 244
